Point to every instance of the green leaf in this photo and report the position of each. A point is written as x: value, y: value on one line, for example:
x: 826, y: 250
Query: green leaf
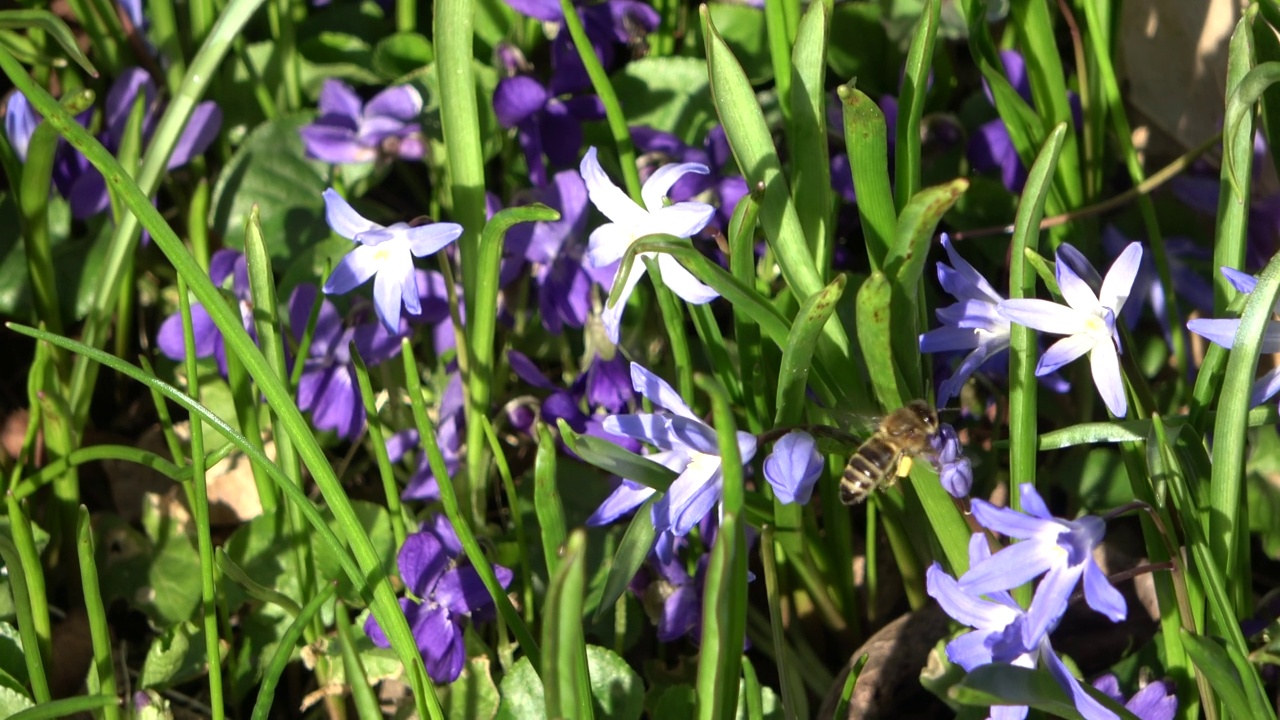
x: 375, y: 523
x: 473, y: 696
x: 680, y: 701
x: 1009, y: 685
x: 617, y: 690
x: 402, y: 53
x: 564, y: 671
x: 546, y: 499
x: 174, y: 658
x: 173, y: 591
x: 1212, y: 660
x: 743, y: 29
x: 873, y: 60
x: 915, y: 86
x: 270, y: 170
x: 54, y: 26
x: 634, y: 548
x: 521, y: 691
x: 807, y: 133
x: 12, y: 702
x: 867, y: 145
x: 874, y: 308
x: 669, y: 94
x: 12, y: 662
x: 723, y: 621
x: 614, y: 459
x: 797, y: 354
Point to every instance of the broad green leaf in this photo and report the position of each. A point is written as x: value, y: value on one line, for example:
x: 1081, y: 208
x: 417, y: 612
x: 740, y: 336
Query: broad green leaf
x: 807, y: 134
x: 873, y: 60
x: 473, y: 696
x: 617, y: 690
x: 874, y: 307
x: 669, y: 94
x: 402, y: 53
x: 174, y: 658
x: 742, y: 27
x: 12, y: 702
x: 271, y: 171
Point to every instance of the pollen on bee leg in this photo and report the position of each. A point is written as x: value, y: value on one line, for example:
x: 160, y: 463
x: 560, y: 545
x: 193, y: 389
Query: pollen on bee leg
x: 904, y: 467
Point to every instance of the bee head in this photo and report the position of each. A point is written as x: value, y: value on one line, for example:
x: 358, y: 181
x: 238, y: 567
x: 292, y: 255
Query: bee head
x: 927, y: 415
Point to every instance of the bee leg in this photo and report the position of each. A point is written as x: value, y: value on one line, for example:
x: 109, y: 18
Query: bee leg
x: 904, y: 466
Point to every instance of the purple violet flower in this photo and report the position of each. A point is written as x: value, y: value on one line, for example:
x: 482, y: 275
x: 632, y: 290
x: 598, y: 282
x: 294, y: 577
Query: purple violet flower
x: 386, y: 252
x: 672, y: 598
x: 545, y: 123
x: 81, y: 183
x: 1063, y: 549
x: 1088, y: 320
x: 974, y: 323
x: 693, y: 447
x: 556, y: 251
x: 608, y: 25
x: 630, y: 222
x: 327, y: 388
x: 1156, y: 701
x: 794, y: 466
x: 225, y: 264
x: 349, y: 131
x: 443, y: 594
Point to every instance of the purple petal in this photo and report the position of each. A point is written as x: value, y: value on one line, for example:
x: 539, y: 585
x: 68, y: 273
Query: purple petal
x: 120, y: 99
x: 425, y: 240
x: 1075, y: 290
x: 1085, y: 704
x: 1032, y: 503
x: 968, y: 609
x: 1011, y: 522
x: 689, y: 498
x: 524, y: 369
x: 442, y: 645
x: 422, y: 560
x: 1241, y: 281
x: 402, y: 103
x: 793, y: 467
x: 608, y: 384
x: 337, y: 98
x: 622, y: 501
x: 1265, y: 387
x: 337, y: 403
x: 1050, y: 601
x: 20, y: 122
x: 971, y: 650
x: 88, y: 195
x: 1101, y: 595
x: 334, y: 144
x: 680, y: 614
x: 204, y: 332
x: 1119, y: 280
x: 462, y: 591
x: 1064, y: 351
x: 544, y: 10
x: 658, y: 391
x: 1105, y: 364
x: 561, y: 133
x: 354, y: 270
x: 1016, y: 564
x: 1156, y: 701
x: 518, y: 98
x: 343, y: 218
x: 948, y: 339
x: 200, y: 132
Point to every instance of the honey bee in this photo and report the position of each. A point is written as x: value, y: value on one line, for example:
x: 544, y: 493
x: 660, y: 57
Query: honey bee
x: 886, y: 456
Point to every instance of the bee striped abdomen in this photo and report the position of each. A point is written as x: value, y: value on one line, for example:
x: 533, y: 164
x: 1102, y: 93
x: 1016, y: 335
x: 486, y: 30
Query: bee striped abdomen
x: 867, y: 469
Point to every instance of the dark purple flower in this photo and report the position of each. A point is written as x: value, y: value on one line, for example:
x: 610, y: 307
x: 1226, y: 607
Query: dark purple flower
x: 328, y: 388
x: 1156, y: 701
x: 605, y: 386
x: 447, y: 593
x: 224, y: 265
x: 608, y: 25
x: 82, y: 184
x: 672, y: 598
x: 422, y: 484
x: 349, y: 131
x: 556, y: 252
x: 545, y: 123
